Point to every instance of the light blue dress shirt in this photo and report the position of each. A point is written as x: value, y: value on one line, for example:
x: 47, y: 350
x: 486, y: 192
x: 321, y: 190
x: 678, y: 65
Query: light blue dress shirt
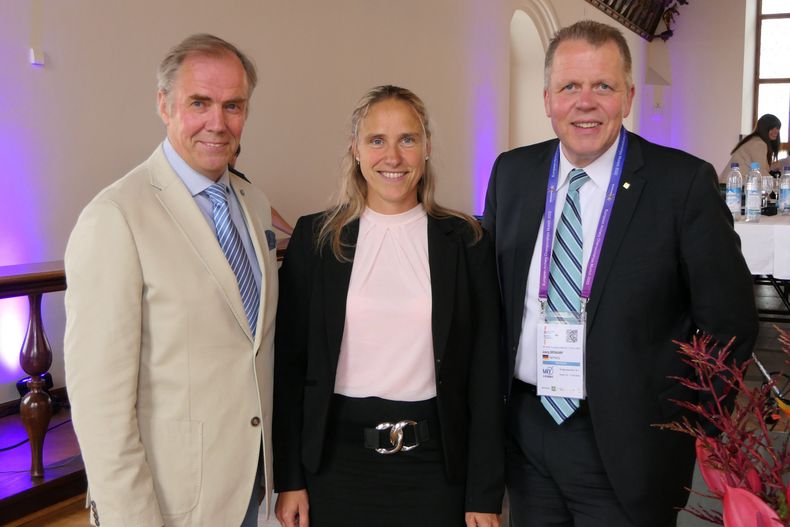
x: 196, y: 183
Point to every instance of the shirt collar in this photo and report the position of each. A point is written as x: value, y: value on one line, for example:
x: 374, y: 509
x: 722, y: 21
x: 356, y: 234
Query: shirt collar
x: 193, y: 180
x: 599, y: 170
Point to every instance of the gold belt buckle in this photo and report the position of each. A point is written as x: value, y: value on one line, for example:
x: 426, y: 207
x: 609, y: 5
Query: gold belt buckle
x: 396, y: 436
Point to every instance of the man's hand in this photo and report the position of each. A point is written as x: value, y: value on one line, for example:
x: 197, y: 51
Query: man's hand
x: 292, y: 506
x: 481, y: 519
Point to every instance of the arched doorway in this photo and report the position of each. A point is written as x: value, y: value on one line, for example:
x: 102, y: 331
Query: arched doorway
x: 531, y: 27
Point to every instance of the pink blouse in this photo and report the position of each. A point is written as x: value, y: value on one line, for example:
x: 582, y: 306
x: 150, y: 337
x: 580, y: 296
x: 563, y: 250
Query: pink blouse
x: 387, y: 347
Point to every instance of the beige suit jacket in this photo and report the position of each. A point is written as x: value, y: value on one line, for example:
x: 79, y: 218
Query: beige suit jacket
x: 170, y: 393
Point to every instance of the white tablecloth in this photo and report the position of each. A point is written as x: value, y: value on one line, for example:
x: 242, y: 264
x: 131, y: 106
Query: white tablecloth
x: 766, y: 245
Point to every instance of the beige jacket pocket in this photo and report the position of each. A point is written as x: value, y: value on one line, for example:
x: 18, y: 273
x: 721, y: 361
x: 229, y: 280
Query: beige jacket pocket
x: 174, y: 450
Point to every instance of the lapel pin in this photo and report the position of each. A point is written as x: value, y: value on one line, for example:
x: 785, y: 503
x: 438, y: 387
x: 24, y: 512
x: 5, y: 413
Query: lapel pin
x: 242, y: 191
x: 626, y: 185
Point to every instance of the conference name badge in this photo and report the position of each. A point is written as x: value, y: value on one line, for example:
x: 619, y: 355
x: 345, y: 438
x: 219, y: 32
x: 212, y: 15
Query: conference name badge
x: 561, y: 359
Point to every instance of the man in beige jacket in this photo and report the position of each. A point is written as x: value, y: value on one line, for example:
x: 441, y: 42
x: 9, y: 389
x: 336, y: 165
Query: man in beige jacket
x: 172, y: 292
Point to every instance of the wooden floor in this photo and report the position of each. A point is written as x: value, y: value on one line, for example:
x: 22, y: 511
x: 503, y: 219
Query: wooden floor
x: 72, y: 513
x: 69, y: 513
x: 60, y: 448
x: 64, y: 475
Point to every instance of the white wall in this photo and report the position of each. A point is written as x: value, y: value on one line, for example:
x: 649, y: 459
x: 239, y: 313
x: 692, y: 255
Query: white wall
x: 702, y: 107
x: 84, y: 119
x: 528, y: 123
x: 451, y: 53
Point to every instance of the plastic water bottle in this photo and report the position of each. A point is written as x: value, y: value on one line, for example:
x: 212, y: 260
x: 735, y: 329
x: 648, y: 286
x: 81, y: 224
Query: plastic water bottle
x: 784, y: 192
x: 753, y: 194
x: 734, y: 191
x: 768, y: 198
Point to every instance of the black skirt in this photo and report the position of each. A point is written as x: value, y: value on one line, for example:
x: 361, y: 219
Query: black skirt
x: 356, y: 486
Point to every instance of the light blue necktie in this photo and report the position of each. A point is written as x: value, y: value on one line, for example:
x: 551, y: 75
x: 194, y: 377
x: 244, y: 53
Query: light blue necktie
x: 565, y: 277
x: 230, y: 241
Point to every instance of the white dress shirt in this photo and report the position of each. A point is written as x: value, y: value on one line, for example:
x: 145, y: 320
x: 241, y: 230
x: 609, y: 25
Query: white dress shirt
x: 591, y: 198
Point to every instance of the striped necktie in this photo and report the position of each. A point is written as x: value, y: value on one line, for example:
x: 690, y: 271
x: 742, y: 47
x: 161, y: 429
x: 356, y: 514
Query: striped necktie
x: 565, y: 277
x: 230, y: 241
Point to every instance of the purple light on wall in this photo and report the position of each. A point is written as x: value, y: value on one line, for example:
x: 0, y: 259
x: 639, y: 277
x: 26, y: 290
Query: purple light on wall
x: 13, y: 324
x: 484, y: 140
x: 21, y: 240
x: 486, y: 66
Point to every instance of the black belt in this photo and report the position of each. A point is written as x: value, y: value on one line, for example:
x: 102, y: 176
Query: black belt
x: 402, y: 436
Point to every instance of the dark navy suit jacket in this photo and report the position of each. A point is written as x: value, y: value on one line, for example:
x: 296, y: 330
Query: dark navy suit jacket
x: 465, y: 325
x: 670, y: 265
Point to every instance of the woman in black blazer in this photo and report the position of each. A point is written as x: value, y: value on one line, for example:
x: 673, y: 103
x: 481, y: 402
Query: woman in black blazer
x: 388, y: 392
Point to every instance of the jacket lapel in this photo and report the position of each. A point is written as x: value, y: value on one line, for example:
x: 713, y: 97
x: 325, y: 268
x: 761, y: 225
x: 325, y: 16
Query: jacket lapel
x: 532, y: 192
x: 180, y: 204
x: 623, y: 210
x: 336, y: 278
x: 257, y: 233
x: 443, y: 263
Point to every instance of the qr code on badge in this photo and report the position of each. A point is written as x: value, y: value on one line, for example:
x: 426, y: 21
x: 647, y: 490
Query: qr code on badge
x: 571, y: 335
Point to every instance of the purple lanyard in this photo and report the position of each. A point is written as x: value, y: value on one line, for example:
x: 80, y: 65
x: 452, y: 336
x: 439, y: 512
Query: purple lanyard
x: 603, y: 221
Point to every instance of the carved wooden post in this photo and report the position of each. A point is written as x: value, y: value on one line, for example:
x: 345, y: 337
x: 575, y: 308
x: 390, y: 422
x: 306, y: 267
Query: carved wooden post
x: 35, y: 357
x: 36, y: 406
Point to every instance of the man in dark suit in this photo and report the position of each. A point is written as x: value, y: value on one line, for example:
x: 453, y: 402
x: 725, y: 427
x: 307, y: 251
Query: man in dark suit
x: 669, y: 265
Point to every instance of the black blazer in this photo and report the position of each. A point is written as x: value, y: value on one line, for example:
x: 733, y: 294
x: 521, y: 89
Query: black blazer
x: 670, y: 265
x: 465, y: 324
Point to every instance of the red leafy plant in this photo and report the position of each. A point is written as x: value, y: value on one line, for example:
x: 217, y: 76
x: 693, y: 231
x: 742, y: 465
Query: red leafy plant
x: 743, y: 464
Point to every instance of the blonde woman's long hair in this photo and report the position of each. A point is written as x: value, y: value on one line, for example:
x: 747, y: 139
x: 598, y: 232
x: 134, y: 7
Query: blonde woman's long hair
x: 352, y: 196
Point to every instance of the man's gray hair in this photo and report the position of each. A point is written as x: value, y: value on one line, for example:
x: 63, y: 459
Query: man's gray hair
x: 595, y: 34
x: 201, y: 44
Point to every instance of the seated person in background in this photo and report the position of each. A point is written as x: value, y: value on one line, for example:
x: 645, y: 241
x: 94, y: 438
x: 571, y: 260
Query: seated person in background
x: 761, y: 146
x: 278, y: 221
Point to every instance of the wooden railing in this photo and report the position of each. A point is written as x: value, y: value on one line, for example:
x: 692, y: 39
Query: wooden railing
x: 35, y: 357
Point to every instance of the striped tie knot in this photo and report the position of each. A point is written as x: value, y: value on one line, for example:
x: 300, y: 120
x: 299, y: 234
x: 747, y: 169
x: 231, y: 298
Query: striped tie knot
x: 217, y: 193
x: 578, y: 178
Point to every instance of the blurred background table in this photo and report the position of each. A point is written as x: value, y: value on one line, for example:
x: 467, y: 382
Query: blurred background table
x: 766, y: 248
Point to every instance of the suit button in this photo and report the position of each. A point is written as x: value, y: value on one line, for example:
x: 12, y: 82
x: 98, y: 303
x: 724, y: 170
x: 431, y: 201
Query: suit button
x: 255, y: 421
